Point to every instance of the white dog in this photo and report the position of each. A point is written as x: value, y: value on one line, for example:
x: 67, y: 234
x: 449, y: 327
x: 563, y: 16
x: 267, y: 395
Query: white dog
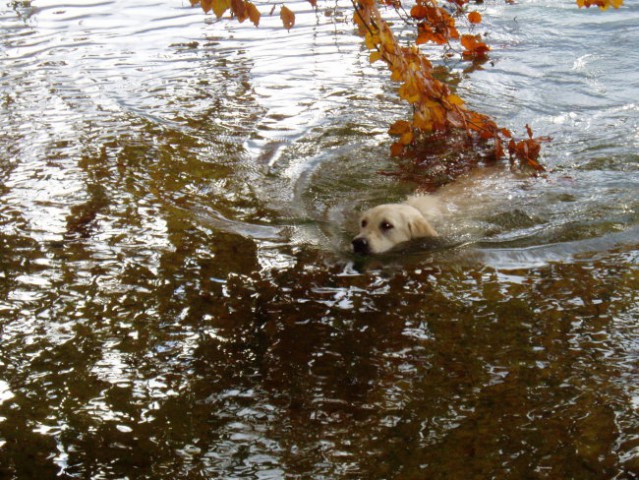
x: 471, y: 207
x: 385, y: 226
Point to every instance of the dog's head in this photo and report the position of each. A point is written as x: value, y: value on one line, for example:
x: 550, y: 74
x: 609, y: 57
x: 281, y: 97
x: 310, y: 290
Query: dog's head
x: 385, y: 226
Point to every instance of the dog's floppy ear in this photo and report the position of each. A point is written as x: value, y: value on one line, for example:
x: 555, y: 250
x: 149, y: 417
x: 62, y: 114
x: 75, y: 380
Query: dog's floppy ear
x: 419, y: 227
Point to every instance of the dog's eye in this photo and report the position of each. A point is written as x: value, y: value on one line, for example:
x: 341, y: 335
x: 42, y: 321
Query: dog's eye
x: 385, y: 226
x: 364, y: 223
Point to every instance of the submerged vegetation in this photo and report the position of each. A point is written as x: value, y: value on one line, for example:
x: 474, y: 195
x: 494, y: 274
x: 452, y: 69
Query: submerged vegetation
x: 436, y: 109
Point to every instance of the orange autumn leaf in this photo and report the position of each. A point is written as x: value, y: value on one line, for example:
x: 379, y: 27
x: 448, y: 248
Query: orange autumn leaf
x: 436, y: 24
x: 240, y: 10
x: 374, y: 56
x: 288, y: 17
x: 426, y: 34
x: 505, y: 133
x: 219, y: 6
x: 253, y: 13
x: 438, y: 114
x: 454, y: 100
x: 499, y: 148
x: 406, y: 138
x: 602, y: 4
x: 400, y: 127
x: 397, y: 149
x: 529, y: 131
x: 474, y: 47
x: 371, y: 41
x: 423, y: 121
x: 409, y: 93
x: 419, y: 12
x: 207, y: 5
x: 474, y: 17
x: 527, y: 151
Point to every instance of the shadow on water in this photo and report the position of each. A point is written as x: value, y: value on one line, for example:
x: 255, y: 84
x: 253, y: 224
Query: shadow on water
x: 177, y: 294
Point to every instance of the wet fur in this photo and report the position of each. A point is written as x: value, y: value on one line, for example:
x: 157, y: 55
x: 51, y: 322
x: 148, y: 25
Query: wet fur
x: 385, y: 226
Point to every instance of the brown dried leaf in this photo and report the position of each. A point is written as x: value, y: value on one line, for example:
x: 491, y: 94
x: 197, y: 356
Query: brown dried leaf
x: 288, y: 17
x: 239, y: 10
x: 254, y: 13
x: 219, y: 6
x: 474, y: 17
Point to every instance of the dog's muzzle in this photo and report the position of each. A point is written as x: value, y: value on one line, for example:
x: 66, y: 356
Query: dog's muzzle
x: 360, y: 245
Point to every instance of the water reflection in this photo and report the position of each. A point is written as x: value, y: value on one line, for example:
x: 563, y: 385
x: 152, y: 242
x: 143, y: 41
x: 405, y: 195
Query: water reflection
x: 486, y: 344
x: 177, y: 299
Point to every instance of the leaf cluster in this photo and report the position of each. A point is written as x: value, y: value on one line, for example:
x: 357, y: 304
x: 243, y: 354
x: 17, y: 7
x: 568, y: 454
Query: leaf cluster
x: 242, y: 10
x: 436, y: 109
x: 602, y: 4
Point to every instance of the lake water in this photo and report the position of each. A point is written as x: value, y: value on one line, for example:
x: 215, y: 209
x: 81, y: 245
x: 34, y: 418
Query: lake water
x: 177, y: 294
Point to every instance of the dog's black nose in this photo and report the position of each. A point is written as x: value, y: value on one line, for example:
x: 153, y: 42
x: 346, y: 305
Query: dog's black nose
x: 360, y: 245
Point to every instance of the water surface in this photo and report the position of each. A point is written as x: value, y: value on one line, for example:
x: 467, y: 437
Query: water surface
x: 177, y: 294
